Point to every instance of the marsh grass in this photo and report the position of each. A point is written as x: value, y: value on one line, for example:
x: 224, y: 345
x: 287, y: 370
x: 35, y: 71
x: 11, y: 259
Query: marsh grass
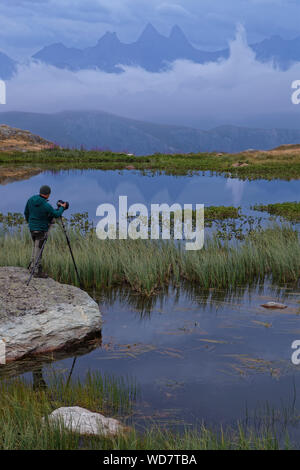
x: 148, y: 266
x: 260, y: 165
x: 24, y: 424
x: 287, y: 210
x: 23, y: 407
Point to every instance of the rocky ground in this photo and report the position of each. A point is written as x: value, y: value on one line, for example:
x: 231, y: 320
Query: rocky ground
x: 17, y: 140
x: 44, y: 316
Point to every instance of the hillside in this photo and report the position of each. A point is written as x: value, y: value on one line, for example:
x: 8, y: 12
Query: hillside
x: 12, y: 139
x: 96, y: 129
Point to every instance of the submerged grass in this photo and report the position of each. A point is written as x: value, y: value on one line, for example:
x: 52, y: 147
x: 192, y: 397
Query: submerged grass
x: 24, y: 424
x: 148, y: 266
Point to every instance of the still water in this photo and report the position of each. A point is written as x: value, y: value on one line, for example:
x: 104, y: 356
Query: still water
x: 88, y: 188
x: 196, y: 356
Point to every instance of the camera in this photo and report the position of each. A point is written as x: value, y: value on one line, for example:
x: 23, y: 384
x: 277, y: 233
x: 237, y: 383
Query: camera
x: 60, y: 203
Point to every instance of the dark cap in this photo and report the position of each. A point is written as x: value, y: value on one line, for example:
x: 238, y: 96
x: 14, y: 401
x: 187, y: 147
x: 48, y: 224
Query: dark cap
x: 45, y: 190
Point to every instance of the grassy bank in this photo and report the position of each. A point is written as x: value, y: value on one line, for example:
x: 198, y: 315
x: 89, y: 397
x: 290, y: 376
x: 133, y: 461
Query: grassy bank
x: 23, y: 407
x: 148, y: 266
x: 280, y: 163
x: 287, y: 210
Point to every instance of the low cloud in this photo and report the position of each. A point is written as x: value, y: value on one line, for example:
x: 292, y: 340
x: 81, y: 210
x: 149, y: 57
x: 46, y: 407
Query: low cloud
x: 229, y: 91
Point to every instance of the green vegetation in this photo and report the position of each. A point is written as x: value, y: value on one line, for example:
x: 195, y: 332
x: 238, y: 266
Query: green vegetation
x: 287, y: 210
x: 22, y: 407
x: 257, y: 165
x: 81, y: 220
x: 24, y: 424
x: 214, y: 213
x: 148, y: 266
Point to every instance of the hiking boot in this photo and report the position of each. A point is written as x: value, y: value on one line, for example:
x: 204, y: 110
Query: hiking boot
x: 41, y: 275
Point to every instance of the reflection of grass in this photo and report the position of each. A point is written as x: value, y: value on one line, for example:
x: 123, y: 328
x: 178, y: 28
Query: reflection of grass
x: 22, y: 408
x: 267, y: 165
x: 287, y: 210
x: 148, y: 266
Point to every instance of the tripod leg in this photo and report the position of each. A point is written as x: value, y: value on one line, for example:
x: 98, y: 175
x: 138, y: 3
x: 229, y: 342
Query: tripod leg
x: 70, y: 248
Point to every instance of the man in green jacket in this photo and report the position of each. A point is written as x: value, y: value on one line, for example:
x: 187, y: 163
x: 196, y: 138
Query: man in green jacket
x: 39, y: 215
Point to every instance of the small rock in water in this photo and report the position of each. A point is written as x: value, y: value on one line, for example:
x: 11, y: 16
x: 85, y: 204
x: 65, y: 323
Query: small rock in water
x: 83, y: 421
x: 274, y: 305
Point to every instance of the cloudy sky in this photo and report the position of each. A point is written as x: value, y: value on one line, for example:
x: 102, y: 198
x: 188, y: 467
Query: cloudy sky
x: 28, y: 25
x: 239, y: 90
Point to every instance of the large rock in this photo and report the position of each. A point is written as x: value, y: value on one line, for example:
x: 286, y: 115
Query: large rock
x: 83, y: 421
x: 44, y: 316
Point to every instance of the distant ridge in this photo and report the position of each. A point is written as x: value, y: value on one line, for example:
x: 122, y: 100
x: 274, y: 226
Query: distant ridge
x: 96, y: 129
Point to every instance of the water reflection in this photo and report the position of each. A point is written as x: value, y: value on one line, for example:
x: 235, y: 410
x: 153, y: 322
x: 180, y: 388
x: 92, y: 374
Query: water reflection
x: 86, y: 189
x: 211, y: 298
x: 196, y: 355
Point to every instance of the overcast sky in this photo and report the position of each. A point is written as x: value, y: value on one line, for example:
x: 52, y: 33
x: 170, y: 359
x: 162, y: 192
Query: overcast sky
x: 28, y: 25
x: 238, y: 90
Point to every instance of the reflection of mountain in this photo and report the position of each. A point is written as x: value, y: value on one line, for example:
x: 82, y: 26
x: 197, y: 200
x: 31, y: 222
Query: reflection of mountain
x: 102, y: 130
x: 153, y: 52
x: 10, y: 175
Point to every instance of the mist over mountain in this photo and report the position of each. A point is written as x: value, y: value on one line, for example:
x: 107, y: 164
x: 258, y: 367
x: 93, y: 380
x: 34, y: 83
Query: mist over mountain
x: 154, y: 51
x: 96, y: 129
x: 283, y: 52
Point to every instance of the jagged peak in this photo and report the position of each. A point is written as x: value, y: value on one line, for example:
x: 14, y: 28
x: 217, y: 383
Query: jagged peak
x: 178, y: 35
x: 109, y: 37
x: 149, y: 32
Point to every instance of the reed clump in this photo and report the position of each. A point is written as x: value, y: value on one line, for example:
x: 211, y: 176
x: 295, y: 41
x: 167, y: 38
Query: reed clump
x: 25, y: 406
x: 147, y: 266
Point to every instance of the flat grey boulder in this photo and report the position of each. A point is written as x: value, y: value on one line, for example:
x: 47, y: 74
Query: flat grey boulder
x: 274, y: 305
x: 44, y: 316
x: 83, y: 421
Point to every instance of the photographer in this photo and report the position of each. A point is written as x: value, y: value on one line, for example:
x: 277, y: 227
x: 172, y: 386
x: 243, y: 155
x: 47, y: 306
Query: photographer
x: 39, y: 215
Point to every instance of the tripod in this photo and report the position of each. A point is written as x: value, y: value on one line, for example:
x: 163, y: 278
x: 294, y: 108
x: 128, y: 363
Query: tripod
x: 70, y: 248
x: 42, y: 249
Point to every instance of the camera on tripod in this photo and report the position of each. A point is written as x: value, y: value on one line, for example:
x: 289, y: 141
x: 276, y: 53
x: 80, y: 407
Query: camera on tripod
x: 60, y: 203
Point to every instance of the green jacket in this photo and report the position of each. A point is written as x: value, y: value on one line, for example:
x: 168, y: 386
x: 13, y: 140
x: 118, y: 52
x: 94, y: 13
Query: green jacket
x: 39, y: 213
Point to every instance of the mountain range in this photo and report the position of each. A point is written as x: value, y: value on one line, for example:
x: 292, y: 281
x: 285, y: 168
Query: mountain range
x: 8, y: 66
x: 96, y: 129
x: 151, y: 51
